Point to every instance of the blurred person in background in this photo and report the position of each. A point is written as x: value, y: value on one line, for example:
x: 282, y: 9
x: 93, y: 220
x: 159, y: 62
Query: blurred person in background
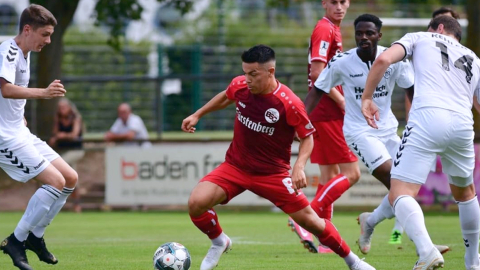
x: 268, y: 114
x: 23, y: 156
x: 67, y: 139
x: 447, y: 75
x: 128, y: 128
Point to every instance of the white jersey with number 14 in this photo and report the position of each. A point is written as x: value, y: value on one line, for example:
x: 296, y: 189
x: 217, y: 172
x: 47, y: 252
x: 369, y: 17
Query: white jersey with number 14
x: 451, y: 77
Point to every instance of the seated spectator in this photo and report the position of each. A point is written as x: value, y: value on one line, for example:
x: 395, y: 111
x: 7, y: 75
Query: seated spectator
x: 128, y: 129
x: 67, y: 139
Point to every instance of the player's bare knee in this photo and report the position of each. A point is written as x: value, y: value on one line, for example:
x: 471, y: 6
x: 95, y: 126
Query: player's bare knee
x: 196, y: 207
x: 353, y: 176
x: 71, y: 178
x: 57, y: 182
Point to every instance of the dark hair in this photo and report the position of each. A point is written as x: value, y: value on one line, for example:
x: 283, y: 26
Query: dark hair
x: 369, y: 18
x: 258, y: 54
x: 450, y: 25
x: 444, y: 10
x: 36, y: 16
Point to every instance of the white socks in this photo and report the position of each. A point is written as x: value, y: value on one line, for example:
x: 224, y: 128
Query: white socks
x: 37, y: 208
x: 410, y: 216
x: 382, y: 212
x: 39, y: 230
x: 469, y: 213
x: 220, y: 240
x: 351, y: 258
x: 397, y: 227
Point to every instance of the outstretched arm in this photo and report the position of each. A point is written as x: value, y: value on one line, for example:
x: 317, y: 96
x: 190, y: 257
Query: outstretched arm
x: 218, y: 102
x: 9, y: 90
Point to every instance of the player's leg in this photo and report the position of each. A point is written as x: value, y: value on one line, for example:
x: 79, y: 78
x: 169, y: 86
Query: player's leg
x: 35, y: 241
x: 420, y: 144
x: 469, y: 213
x: 278, y: 189
x: 458, y: 163
x: 23, y: 163
x: 329, y: 236
x: 212, y: 190
x: 337, y: 163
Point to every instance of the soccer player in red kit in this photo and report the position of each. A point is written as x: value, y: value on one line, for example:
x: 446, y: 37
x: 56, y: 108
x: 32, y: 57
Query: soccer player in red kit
x: 258, y: 159
x: 338, y: 164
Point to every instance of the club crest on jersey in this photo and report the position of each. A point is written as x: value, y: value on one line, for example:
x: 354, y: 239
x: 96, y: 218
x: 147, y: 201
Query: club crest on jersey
x: 388, y: 73
x: 272, y: 115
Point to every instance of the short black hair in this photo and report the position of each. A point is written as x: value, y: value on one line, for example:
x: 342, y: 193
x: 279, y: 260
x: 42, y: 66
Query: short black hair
x: 369, y: 18
x: 444, y: 10
x: 258, y: 54
x: 450, y: 25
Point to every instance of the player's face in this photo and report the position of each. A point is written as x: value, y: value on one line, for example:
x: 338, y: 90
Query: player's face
x: 257, y: 77
x: 335, y: 10
x: 367, y: 36
x: 38, y: 38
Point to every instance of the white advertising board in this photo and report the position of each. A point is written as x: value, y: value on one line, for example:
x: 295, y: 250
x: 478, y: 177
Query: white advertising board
x: 166, y: 173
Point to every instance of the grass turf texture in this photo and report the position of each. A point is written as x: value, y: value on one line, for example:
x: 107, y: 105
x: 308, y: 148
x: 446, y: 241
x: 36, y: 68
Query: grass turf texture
x: 261, y: 240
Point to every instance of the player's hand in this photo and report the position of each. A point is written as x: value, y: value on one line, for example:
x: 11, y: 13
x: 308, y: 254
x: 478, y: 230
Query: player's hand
x: 370, y: 112
x: 25, y: 121
x: 55, y: 89
x: 188, y: 124
x: 299, y: 179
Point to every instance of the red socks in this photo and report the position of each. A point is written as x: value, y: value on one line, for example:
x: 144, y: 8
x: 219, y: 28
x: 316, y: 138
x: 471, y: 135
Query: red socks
x: 331, y: 238
x: 208, y: 224
x: 322, y: 203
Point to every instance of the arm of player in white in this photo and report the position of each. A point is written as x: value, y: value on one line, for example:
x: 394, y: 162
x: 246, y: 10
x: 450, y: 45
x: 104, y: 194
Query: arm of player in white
x: 9, y: 90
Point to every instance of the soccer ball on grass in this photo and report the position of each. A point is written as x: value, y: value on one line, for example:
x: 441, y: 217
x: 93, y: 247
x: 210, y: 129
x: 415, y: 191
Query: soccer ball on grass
x: 171, y: 256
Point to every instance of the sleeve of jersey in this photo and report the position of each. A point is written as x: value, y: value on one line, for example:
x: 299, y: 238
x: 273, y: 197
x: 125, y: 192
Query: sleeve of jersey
x: 236, y: 84
x: 407, y: 42
x: 329, y: 77
x: 7, y: 66
x: 298, y: 118
x: 321, y: 44
x: 406, y: 74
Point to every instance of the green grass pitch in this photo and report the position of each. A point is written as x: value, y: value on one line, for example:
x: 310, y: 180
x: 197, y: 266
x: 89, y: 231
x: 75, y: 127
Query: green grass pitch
x: 261, y: 240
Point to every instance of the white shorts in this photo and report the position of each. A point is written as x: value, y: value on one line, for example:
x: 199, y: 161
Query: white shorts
x: 373, y: 150
x: 24, y: 160
x: 431, y: 131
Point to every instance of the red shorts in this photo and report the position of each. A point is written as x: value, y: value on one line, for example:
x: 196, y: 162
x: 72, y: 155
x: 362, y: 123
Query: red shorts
x: 329, y: 144
x: 275, y: 188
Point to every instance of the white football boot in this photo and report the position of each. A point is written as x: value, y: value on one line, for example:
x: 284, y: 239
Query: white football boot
x: 214, y: 253
x: 365, y: 240
x: 360, y: 264
x: 433, y: 261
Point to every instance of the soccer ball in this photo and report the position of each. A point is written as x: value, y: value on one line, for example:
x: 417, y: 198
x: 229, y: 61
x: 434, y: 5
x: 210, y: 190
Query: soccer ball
x: 171, y: 256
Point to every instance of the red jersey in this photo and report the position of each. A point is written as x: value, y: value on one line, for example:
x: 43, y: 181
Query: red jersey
x: 325, y: 42
x: 264, y: 128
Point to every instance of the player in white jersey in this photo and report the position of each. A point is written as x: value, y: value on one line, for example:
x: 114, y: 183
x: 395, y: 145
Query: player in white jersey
x: 23, y: 156
x: 374, y: 147
x: 447, y: 75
